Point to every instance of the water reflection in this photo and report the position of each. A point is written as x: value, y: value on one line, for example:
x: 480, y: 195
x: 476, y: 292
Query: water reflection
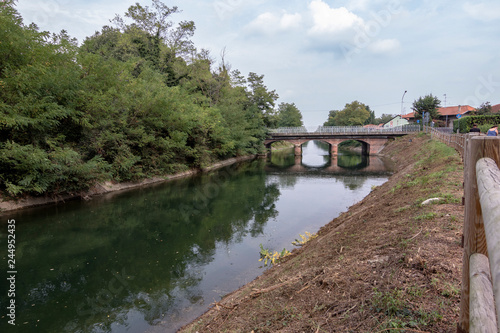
x: 354, y: 161
x: 154, y: 259
x: 316, y: 154
x: 316, y: 157
x: 100, y: 263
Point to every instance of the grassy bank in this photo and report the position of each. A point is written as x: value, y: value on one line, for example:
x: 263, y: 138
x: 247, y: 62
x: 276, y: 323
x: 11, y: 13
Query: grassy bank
x: 387, y: 263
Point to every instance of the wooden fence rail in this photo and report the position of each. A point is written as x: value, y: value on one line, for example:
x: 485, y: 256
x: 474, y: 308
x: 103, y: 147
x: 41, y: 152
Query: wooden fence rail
x: 480, y: 296
x: 481, y: 260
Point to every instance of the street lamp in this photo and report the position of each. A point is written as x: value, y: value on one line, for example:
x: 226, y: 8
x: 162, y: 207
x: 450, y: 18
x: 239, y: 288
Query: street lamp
x: 402, y: 103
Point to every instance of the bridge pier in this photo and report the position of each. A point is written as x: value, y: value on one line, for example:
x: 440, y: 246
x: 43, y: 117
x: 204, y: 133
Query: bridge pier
x: 298, y: 149
x: 334, y: 149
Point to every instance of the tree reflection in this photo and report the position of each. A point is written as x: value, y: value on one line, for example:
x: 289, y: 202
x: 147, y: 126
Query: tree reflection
x: 353, y: 161
x: 135, y: 252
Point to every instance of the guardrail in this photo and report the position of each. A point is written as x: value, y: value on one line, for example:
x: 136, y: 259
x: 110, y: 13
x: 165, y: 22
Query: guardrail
x: 321, y: 130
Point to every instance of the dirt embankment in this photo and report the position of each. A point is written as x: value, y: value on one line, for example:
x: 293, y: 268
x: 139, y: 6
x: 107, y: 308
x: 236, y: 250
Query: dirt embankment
x: 389, y: 263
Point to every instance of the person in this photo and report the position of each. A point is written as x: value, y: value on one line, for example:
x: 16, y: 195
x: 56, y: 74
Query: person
x: 475, y: 129
x: 493, y: 131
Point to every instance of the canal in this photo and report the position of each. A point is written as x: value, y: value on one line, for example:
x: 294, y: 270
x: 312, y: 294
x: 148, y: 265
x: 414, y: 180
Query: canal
x: 153, y: 259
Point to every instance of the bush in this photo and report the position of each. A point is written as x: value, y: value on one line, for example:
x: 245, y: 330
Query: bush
x: 484, y: 122
x: 28, y: 169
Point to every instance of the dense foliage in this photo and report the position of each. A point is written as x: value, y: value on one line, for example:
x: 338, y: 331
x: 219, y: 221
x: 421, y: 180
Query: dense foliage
x: 464, y: 124
x: 289, y: 115
x: 133, y: 101
x: 353, y: 114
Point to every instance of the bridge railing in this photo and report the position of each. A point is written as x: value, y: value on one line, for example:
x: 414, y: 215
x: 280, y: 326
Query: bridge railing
x: 344, y: 130
x: 364, y: 130
x: 288, y: 130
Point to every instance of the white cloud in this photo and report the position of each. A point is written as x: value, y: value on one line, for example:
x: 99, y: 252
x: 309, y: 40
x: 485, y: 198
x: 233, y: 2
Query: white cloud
x: 329, y: 20
x: 358, y: 4
x: 264, y: 22
x: 289, y: 21
x: 384, y: 46
x: 269, y: 23
x: 483, y: 11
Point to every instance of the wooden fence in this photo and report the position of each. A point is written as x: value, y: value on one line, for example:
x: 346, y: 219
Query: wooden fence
x: 480, y: 297
x: 456, y: 141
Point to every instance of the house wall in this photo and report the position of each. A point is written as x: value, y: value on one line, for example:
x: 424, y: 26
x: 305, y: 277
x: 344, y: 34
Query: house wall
x: 398, y: 121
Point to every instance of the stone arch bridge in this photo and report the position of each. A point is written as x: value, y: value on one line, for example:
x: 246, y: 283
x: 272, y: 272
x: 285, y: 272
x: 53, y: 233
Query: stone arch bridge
x: 372, y: 139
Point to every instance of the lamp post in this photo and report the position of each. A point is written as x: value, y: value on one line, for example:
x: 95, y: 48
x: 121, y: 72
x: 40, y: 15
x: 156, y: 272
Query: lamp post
x: 402, y: 103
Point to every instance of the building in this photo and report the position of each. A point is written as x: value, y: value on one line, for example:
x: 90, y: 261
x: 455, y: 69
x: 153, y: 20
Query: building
x: 373, y: 126
x: 495, y: 108
x: 396, y: 121
x: 446, y: 114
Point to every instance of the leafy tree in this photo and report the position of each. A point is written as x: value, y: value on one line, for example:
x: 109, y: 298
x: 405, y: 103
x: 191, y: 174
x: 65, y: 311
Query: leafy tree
x: 125, y: 105
x: 263, y: 99
x: 289, y: 115
x: 483, y: 109
x: 331, y: 118
x: 157, y: 24
x: 371, y: 119
x: 353, y: 114
x: 428, y: 104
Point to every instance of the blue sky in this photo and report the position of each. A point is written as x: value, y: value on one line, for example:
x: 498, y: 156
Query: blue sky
x: 322, y: 54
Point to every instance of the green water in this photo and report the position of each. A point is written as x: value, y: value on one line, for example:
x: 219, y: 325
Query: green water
x: 153, y: 259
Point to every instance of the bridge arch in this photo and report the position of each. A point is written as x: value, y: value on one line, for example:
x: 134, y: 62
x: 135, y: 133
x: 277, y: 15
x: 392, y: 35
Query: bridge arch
x: 373, y: 140
x: 333, y: 144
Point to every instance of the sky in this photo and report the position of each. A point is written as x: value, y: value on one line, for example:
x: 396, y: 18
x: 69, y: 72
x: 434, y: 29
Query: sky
x: 324, y: 54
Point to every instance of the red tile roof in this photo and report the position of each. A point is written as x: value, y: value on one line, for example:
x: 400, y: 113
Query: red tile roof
x: 454, y: 110
x: 409, y: 115
x: 447, y: 111
x: 495, y: 108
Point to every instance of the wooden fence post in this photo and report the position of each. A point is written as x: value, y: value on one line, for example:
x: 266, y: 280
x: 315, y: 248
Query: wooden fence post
x: 474, y: 240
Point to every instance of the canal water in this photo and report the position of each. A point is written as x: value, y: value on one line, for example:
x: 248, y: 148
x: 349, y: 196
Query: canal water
x: 153, y: 259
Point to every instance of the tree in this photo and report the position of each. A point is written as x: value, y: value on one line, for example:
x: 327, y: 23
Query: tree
x: 483, y: 109
x: 156, y: 23
x: 353, y: 114
x: 263, y: 99
x: 289, y: 115
x: 331, y: 118
x: 428, y: 104
x: 371, y: 119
